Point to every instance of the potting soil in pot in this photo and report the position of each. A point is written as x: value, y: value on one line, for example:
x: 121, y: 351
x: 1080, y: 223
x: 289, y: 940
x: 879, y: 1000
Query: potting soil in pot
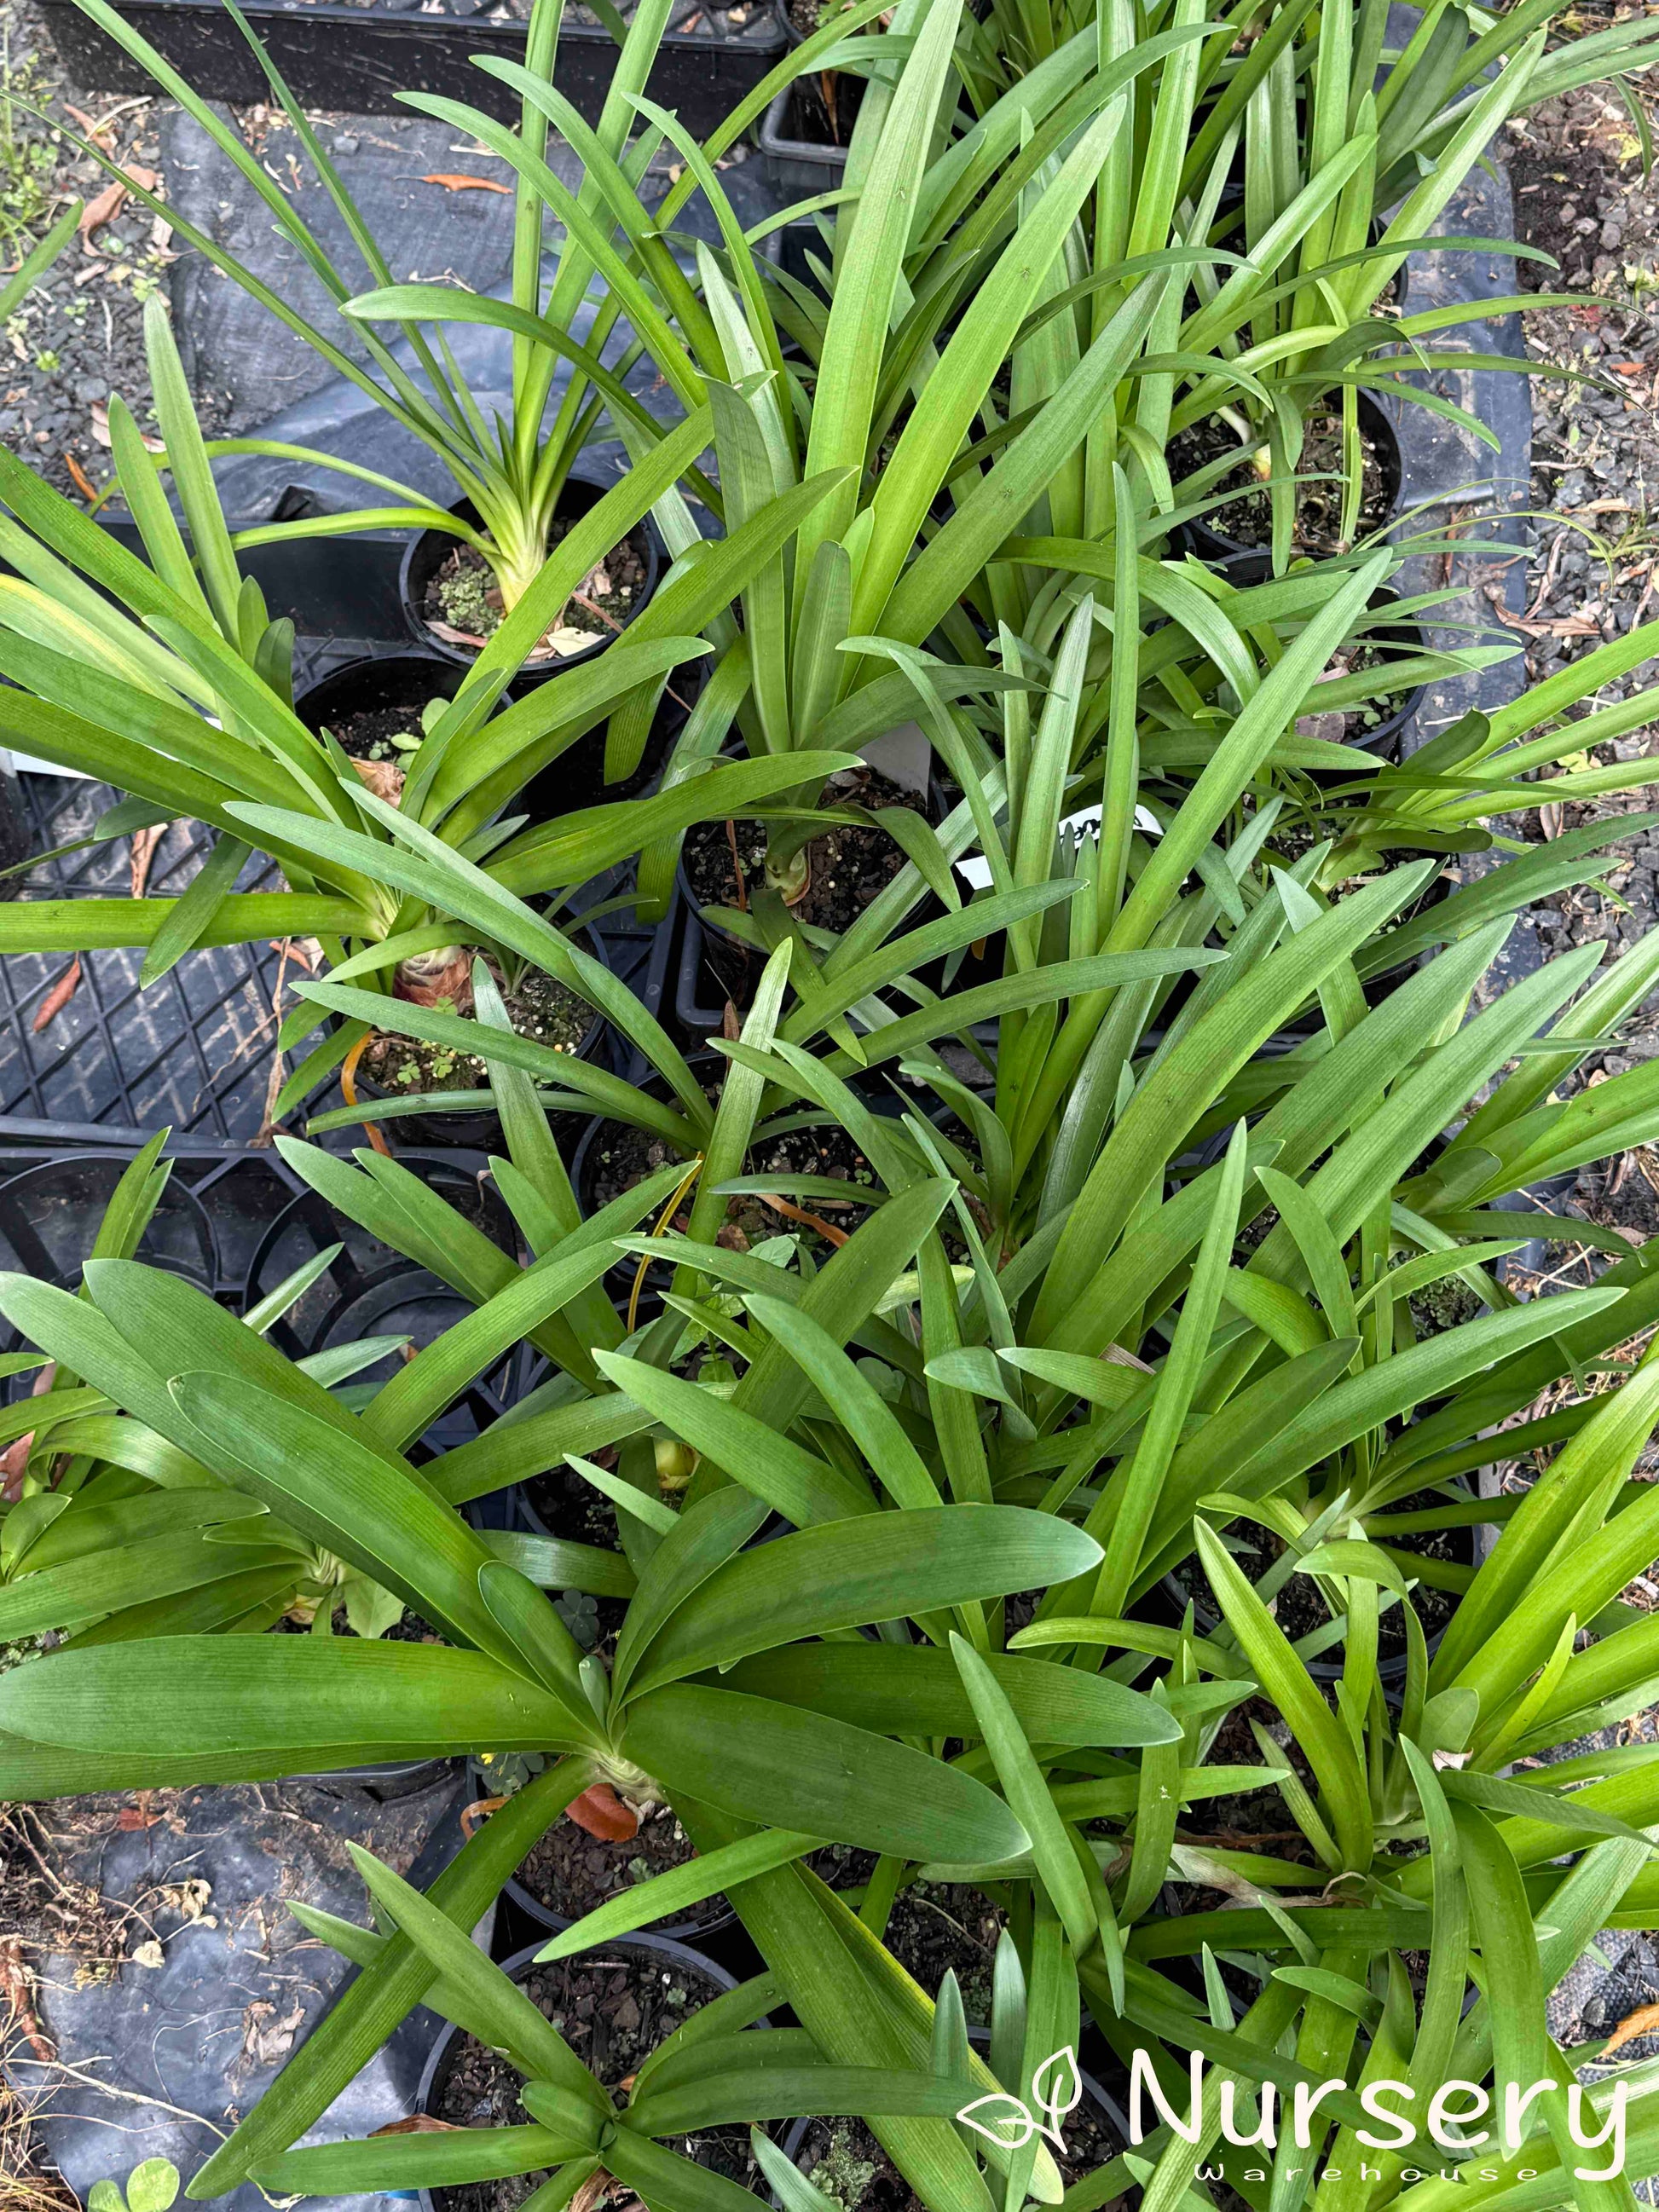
x: 934, y: 1927
x: 626, y: 1156
x: 844, y: 2160
x: 1300, y: 1610
x: 539, y: 1007
x: 848, y: 864
x: 379, y: 733
x: 571, y: 1872
x: 462, y: 603
x: 614, y: 2007
x: 1248, y: 518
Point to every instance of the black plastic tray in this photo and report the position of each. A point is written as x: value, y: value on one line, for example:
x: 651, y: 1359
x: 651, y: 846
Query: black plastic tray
x: 359, y: 58
x: 193, y: 1052
x: 237, y: 1224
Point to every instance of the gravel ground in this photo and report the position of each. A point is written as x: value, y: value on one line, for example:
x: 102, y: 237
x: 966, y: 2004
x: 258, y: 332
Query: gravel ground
x: 79, y: 335
x: 1581, y: 195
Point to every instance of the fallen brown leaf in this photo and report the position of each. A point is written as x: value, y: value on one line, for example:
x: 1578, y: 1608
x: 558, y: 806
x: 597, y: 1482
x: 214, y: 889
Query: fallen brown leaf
x: 603, y: 1814
x: 94, y: 130
x: 103, y: 207
x: 471, y: 1814
x: 383, y: 777
x: 460, y: 184
x: 267, y: 2038
x: 451, y: 635
x: 83, y: 482
x: 1551, y: 818
x: 58, y: 997
x: 144, y: 843
x: 1643, y: 2021
x: 349, y: 1092
x: 100, y: 429
x: 827, y: 1229
x: 417, y: 2123
x: 15, y: 1982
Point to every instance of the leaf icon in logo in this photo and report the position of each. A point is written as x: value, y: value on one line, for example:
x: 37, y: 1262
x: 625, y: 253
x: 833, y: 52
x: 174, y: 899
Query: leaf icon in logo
x: 1007, y: 2124
x: 1056, y: 2091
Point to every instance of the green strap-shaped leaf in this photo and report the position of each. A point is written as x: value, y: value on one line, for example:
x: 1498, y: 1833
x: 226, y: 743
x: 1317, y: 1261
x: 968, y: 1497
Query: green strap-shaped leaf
x: 1027, y: 1793
x: 425, y: 2160
x: 1287, y: 1681
x: 795, y: 1482
x: 781, y: 1765
x: 667, y: 1896
x: 915, y: 1690
x: 505, y: 2016
x: 849, y: 1572
x: 268, y: 1705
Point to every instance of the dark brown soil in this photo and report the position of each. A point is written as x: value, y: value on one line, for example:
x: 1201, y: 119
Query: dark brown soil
x: 1247, y: 1820
x: 847, y: 865
x: 379, y: 733
x: 411, y: 1629
x: 1248, y: 521
x: 844, y: 2160
x: 538, y: 1007
x: 623, y: 1157
x: 463, y: 603
x: 613, y: 2008
x: 1299, y: 1609
x: 571, y: 1872
x: 933, y: 1926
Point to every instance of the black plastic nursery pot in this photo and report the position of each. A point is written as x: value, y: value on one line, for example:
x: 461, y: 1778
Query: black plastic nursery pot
x: 568, y: 1873
x: 716, y: 967
x: 426, y: 553
x: 576, y: 779
x: 364, y: 703
x: 803, y: 146
x: 1213, y: 541
x: 590, y: 1995
x: 369, y: 1290
x: 613, y: 1156
x: 1396, y: 713
x: 337, y: 56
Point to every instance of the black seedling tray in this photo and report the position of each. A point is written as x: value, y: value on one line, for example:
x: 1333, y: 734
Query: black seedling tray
x: 194, y: 1051
x: 359, y: 59
x: 237, y: 1226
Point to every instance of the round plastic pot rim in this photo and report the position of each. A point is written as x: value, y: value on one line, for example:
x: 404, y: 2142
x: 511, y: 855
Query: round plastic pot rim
x: 683, y: 1932
x: 517, y: 1968
x: 531, y: 673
